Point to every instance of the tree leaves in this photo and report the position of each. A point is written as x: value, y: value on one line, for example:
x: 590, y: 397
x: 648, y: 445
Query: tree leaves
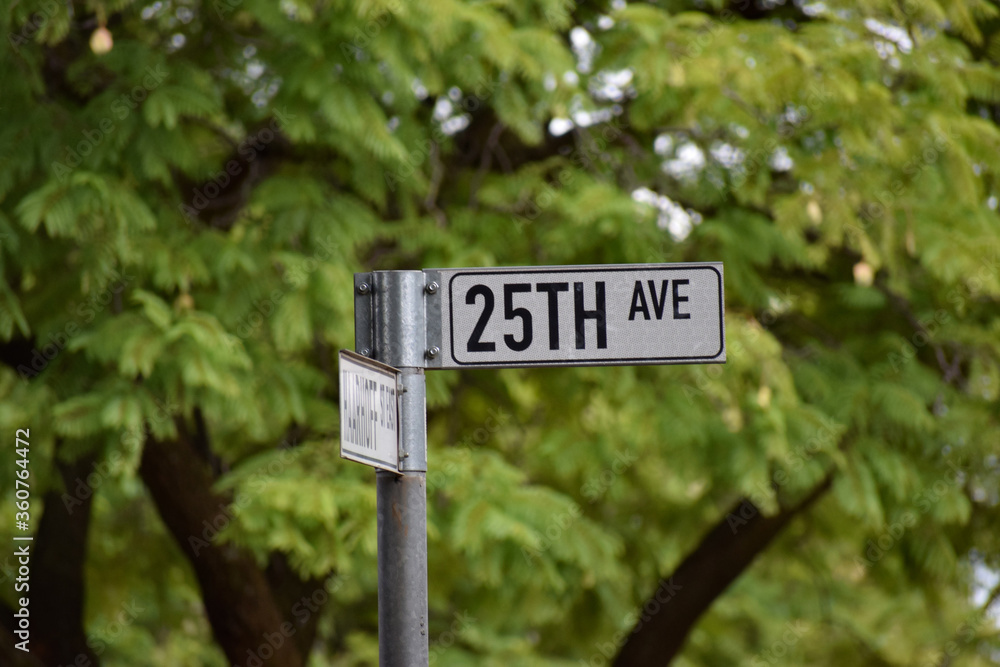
x: 797, y: 143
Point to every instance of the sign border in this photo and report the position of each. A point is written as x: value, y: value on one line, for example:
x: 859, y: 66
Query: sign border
x: 704, y: 359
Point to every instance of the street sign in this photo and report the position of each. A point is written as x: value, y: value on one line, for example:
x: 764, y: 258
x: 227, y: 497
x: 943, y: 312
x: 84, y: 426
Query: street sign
x: 625, y: 314
x: 369, y: 411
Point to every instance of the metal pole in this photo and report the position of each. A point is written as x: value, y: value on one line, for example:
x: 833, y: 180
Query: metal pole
x: 402, y: 570
x: 398, y: 338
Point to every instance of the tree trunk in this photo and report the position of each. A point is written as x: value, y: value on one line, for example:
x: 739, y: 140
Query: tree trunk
x: 241, y: 607
x: 56, y: 582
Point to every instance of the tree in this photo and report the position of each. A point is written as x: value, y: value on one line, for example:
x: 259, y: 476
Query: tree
x: 183, y: 205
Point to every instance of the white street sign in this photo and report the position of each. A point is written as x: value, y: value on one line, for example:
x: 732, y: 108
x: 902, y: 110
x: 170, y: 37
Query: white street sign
x: 624, y: 314
x: 369, y: 411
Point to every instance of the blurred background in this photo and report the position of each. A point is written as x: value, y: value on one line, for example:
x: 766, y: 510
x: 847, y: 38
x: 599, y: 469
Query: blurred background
x: 188, y: 186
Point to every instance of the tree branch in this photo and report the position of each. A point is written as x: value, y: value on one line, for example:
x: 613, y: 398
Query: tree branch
x: 485, y: 162
x: 723, y: 555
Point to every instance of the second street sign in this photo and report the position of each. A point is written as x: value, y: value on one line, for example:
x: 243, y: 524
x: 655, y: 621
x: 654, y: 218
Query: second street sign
x: 369, y: 411
x: 576, y: 315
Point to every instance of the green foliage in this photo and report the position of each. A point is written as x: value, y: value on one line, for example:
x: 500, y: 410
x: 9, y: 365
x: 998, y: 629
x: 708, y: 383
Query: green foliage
x: 181, y: 217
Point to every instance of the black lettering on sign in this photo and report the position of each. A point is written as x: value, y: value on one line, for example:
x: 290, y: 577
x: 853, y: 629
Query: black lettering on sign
x: 639, y: 300
x: 383, y: 406
x: 359, y: 409
x: 363, y: 410
x: 658, y: 304
x: 641, y: 307
x: 362, y: 413
x: 553, y: 290
x: 369, y: 405
x: 362, y: 416
x: 678, y: 315
x: 366, y: 413
x: 355, y: 424
x: 510, y: 312
x: 375, y: 408
x: 372, y: 415
x: 475, y: 344
x: 355, y: 409
x: 388, y: 407
x: 582, y: 315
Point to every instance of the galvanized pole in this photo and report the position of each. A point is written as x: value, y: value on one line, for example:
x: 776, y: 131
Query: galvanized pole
x: 393, y: 331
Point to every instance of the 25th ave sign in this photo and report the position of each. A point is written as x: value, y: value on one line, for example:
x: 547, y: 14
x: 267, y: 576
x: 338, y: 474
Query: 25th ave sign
x: 576, y: 315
